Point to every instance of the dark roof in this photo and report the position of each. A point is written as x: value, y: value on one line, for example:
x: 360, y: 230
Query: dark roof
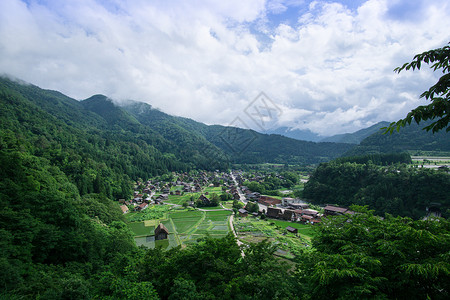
x: 310, y: 212
x: 291, y: 229
x: 160, y: 228
x: 243, y: 211
x: 335, y: 209
x: 273, y: 212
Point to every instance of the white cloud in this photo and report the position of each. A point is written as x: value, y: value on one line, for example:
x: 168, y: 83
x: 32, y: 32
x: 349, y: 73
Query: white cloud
x: 331, y: 72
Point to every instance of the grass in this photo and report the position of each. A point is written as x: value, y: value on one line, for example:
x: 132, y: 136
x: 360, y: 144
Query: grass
x: 186, y: 214
x: 217, y: 190
x: 184, y: 227
x: 253, y: 230
x: 180, y: 199
x: 303, y: 229
x: 140, y: 229
x: 212, y: 207
x: 150, y: 213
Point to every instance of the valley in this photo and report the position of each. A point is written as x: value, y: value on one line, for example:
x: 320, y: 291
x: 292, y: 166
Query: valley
x: 107, y: 201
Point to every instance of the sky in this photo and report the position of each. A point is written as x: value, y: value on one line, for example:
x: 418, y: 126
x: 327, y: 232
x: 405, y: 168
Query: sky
x: 323, y: 66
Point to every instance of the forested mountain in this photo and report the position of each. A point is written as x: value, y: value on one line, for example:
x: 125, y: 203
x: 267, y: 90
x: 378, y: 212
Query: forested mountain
x: 239, y: 145
x: 357, y: 136
x: 411, y: 138
x: 388, y: 187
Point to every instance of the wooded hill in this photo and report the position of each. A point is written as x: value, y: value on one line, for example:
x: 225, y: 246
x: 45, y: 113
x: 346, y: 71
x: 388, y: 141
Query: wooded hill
x: 411, y: 138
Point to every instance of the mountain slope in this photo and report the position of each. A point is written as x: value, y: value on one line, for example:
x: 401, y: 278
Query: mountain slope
x: 411, y: 138
x: 298, y: 134
x: 355, y: 137
x: 239, y: 145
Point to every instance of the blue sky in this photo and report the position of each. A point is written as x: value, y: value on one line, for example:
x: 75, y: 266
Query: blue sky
x: 326, y: 65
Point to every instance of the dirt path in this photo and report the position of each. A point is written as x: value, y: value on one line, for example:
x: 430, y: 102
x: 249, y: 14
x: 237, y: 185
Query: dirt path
x: 238, y: 242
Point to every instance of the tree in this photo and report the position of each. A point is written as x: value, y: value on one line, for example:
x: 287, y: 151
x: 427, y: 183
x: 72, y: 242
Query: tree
x: 438, y: 94
x: 364, y: 256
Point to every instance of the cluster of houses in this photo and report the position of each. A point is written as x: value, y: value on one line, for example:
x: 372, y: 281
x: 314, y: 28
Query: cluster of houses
x: 146, y: 192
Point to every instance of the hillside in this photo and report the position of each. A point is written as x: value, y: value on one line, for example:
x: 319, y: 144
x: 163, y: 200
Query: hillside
x: 135, y: 140
x: 239, y: 145
x: 298, y: 134
x: 357, y: 136
x: 412, y: 139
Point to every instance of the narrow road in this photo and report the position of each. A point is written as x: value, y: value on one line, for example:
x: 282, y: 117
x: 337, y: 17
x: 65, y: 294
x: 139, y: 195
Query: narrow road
x: 238, y: 242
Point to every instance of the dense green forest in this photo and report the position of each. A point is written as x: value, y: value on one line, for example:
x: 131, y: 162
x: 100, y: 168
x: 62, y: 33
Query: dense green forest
x: 386, y: 187
x: 238, y: 145
x: 411, y: 138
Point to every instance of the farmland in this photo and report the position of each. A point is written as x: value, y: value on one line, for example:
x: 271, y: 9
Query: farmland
x: 254, y: 230
x: 184, y: 226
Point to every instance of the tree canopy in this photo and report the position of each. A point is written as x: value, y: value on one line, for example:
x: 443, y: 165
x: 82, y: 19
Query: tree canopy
x: 438, y: 94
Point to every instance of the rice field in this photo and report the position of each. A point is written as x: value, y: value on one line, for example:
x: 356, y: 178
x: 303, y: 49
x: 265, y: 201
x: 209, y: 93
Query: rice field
x: 185, y: 227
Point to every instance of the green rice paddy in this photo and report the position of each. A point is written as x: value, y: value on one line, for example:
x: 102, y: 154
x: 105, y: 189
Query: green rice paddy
x: 185, y: 227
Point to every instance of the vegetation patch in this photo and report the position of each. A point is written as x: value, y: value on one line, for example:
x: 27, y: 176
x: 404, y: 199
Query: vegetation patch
x: 139, y: 228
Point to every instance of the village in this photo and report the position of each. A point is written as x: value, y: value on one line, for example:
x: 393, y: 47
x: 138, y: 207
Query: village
x: 180, y: 208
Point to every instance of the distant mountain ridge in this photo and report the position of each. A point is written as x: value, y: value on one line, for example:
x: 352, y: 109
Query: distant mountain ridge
x: 154, y: 140
x: 298, y: 134
x: 357, y: 136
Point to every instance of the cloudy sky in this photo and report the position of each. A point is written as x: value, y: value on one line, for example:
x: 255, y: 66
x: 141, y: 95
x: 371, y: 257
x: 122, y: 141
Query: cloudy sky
x: 326, y: 66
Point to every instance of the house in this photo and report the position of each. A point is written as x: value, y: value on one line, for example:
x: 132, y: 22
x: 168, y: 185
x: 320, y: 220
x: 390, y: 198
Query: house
x: 177, y: 192
x: 243, y: 213
x: 161, y: 232
x: 124, y: 209
x: 236, y: 196
x: 292, y: 229
x: 286, y: 201
x: 141, y: 207
x: 331, y: 210
x: 273, y: 212
x: 306, y: 218
x: 205, y: 200
x: 310, y: 212
x: 299, y: 205
x: 287, y: 215
x: 268, y: 201
x: 163, y: 197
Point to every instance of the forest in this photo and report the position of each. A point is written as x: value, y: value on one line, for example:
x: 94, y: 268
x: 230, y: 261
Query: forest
x: 390, y: 186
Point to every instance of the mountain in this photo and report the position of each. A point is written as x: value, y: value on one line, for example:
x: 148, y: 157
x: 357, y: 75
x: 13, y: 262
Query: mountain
x: 239, y: 145
x: 137, y: 140
x: 412, y: 139
x: 355, y: 137
x: 298, y: 134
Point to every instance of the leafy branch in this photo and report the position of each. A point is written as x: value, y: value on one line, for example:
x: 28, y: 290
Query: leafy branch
x: 438, y: 94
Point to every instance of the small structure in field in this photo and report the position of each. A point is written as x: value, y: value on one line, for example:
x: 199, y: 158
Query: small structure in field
x: 161, y: 232
x: 243, y: 213
x: 292, y: 229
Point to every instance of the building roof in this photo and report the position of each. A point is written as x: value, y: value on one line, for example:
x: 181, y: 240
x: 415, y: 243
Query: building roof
x: 243, y: 211
x: 291, y: 229
x: 273, y: 212
x: 161, y: 228
x: 124, y: 208
x: 310, y: 212
x: 143, y: 205
x: 335, y: 208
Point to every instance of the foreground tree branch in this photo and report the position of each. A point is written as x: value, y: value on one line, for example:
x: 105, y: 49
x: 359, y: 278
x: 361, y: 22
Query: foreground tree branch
x: 438, y: 94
